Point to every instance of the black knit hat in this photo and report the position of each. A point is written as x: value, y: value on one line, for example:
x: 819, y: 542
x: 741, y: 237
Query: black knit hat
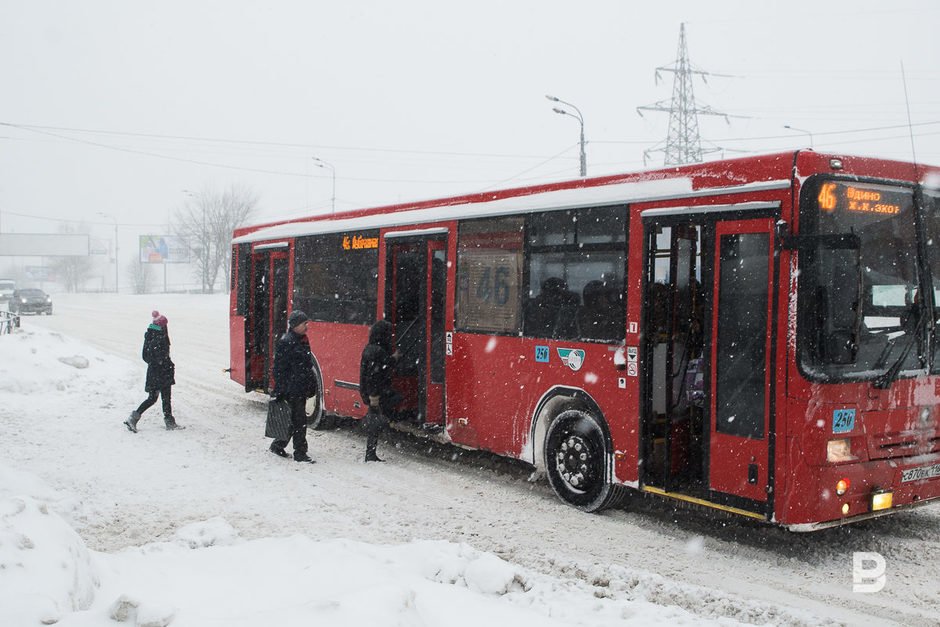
x: 296, y: 317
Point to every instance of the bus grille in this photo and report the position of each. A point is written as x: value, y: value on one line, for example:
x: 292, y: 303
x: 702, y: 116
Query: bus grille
x: 904, y: 444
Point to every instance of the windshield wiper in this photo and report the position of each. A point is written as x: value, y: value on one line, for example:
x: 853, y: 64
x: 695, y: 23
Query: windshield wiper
x: 889, y: 376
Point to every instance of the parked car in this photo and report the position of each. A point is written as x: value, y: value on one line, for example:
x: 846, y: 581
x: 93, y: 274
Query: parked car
x: 30, y: 301
x: 7, y: 286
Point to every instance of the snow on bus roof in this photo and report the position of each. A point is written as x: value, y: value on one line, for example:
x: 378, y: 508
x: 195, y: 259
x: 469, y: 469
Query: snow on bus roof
x: 600, y: 195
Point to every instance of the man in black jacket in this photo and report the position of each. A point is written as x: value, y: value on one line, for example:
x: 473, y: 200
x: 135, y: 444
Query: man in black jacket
x: 375, y: 383
x: 294, y: 382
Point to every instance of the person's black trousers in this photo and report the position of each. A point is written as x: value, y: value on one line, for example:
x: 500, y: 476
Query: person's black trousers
x: 164, y: 393
x: 298, y: 419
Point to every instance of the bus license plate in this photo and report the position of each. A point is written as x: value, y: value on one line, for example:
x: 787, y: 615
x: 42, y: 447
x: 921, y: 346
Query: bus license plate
x: 924, y: 472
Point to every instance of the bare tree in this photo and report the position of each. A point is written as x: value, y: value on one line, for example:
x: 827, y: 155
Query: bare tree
x: 140, y: 275
x: 207, y: 221
x: 72, y: 271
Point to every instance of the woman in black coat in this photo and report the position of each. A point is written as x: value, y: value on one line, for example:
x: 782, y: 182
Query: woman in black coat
x: 160, y: 373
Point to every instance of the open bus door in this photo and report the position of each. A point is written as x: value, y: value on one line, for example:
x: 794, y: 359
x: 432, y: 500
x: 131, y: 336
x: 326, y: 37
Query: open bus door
x: 269, y: 291
x: 707, y: 355
x: 741, y: 369
x: 416, y: 275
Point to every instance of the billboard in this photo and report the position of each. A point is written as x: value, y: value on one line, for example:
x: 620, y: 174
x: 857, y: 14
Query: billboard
x: 43, y: 245
x: 40, y: 273
x: 99, y: 246
x: 163, y: 249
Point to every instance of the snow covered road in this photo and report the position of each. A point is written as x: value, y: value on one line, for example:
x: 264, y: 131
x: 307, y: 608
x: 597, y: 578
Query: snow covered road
x: 139, y: 489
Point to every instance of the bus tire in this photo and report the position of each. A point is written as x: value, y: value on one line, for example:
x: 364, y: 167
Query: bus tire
x: 576, y: 461
x: 317, y: 418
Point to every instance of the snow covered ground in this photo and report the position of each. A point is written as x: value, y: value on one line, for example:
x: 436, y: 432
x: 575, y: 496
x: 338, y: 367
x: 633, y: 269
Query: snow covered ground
x: 205, y: 527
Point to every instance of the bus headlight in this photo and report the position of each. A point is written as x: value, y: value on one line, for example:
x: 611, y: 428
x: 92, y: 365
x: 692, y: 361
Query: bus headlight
x: 839, y: 450
x: 882, y: 499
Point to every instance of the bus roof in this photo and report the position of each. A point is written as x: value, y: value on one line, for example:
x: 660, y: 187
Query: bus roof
x: 774, y: 171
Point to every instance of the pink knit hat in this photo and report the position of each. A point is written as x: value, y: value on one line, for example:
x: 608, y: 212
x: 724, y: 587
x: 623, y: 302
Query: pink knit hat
x: 158, y: 319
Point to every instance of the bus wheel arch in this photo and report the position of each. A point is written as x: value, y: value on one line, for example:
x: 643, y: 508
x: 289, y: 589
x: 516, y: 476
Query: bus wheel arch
x: 317, y: 418
x: 572, y: 447
x: 549, y: 407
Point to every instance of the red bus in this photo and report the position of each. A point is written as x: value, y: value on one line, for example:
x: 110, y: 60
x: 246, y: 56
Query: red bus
x: 753, y: 335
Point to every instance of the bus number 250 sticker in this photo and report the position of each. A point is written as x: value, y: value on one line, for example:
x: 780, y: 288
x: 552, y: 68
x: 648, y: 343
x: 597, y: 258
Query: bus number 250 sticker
x: 843, y: 420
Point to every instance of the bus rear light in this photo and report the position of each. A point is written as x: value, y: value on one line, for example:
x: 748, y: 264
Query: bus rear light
x: 881, y: 499
x: 842, y: 486
x: 839, y: 451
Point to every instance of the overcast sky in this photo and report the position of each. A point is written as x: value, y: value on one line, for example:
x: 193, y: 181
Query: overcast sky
x: 118, y: 106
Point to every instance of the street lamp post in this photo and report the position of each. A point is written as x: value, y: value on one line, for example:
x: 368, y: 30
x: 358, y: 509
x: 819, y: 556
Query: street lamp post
x: 580, y: 118
x: 800, y: 130
x: 108, y: 215
x: 320, y: 163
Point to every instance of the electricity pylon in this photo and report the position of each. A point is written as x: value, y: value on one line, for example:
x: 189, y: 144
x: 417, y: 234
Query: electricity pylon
x: 683, y: 143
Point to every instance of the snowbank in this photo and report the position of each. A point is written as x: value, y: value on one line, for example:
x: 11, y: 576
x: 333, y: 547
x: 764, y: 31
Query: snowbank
x: 205, y: 527
x: 205, y: 574
x: 34, y: 361
x: 45, y: 569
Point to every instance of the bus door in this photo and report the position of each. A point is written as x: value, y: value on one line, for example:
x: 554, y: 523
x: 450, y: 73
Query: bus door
x: 707, y: 321
x: 267, y: 314
x: 674, y: 349
x: 416, y: 274
x: 740, y: 370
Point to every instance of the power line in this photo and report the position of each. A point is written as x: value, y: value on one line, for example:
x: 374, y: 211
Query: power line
x: 239, y: 168
x: 267, y: 143
x: 88, y: 222
x: 527, y: 170
x: 767, y: 137
x: 147, y: 153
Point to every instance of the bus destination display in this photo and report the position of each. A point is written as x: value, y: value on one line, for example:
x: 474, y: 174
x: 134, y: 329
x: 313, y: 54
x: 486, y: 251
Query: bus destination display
x: 860, y: 198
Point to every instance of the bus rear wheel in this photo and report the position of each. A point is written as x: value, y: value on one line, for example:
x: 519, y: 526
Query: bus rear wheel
x: 576, y: 460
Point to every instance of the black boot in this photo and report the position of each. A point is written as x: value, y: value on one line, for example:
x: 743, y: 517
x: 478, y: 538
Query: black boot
x: 279, y: 451
x: 171, y: 425
x: 132, y: 420
x: 371, y: 442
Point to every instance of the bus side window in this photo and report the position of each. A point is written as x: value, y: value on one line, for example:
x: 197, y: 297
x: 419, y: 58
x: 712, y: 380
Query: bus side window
x: 241, y: 273
x: 600, y: 317
x: 552, y: 313
x: 567, y: 251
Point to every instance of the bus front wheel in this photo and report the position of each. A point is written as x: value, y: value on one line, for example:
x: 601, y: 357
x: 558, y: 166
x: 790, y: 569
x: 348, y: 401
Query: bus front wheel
x: 576, y: 461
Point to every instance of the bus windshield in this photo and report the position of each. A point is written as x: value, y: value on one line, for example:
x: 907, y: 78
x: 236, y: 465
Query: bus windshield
x: 860, y: 305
